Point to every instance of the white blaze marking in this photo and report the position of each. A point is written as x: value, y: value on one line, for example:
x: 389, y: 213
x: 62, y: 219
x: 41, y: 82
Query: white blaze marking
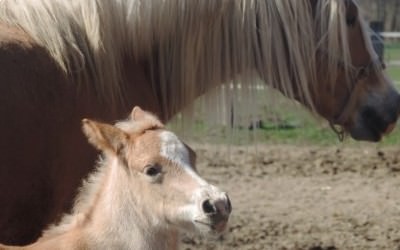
x: 174, y: 150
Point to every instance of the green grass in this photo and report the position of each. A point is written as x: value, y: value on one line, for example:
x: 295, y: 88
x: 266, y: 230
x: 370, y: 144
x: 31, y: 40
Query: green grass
x: 392, y: 51
x: 394, y: 73
x: 307, y: 130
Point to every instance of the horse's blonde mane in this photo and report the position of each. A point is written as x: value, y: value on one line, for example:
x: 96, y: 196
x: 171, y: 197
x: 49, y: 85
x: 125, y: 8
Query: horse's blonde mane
x: 191, y: 46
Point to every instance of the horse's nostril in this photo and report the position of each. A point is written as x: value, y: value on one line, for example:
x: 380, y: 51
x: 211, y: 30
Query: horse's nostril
x: 208, y: 207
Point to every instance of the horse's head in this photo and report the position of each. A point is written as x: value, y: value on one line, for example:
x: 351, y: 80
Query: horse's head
x: 322, y: 56
x: 353, y: 90
x: 163, y: 182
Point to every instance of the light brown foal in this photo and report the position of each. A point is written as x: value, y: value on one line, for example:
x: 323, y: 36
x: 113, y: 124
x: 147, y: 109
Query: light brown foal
x: 143, y: 194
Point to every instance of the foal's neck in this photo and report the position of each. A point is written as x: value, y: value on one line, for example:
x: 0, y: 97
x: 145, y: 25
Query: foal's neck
x: 111, y: 218
x: 119, y: 216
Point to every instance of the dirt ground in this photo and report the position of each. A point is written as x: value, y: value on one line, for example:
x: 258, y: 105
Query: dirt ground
x: 305, y: 197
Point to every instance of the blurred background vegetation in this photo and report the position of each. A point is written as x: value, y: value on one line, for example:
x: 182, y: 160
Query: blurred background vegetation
x: 386, y: 11
x: 280, y: 121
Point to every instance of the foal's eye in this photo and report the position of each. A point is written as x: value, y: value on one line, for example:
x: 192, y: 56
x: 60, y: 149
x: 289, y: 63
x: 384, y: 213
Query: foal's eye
x: 152, y: 170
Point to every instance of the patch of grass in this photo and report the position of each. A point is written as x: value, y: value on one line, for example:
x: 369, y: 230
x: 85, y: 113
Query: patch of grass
x: 394, y: 73
x: 308, y: 134
x: 392, y: 51
x: 283, y: 122
x: 311, y: 132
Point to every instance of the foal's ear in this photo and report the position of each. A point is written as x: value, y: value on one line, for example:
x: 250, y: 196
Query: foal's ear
x: 104, y: 137
x: 147, y: 118
x: 137, y: 113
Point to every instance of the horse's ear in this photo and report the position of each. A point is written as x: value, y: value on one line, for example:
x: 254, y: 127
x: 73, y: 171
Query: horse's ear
x: 104, y: 137
x: 139, y: 115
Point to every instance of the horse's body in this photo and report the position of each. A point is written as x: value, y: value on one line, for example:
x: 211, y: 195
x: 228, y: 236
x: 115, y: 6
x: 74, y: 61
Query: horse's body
x: 38, y: 195
x: 61, y: 61
x: 144, y: 193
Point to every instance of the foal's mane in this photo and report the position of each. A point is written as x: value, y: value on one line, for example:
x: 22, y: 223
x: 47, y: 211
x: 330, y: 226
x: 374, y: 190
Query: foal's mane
x: 190, y: 45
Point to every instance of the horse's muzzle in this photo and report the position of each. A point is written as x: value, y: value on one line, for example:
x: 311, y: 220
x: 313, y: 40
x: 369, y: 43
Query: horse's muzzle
x: 373, y: 125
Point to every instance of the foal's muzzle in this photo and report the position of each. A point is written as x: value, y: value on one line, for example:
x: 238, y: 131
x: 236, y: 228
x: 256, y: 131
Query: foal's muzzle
x: 216, y: 212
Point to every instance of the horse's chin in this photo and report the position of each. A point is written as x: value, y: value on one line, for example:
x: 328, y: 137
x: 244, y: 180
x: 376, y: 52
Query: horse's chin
x: 365, y: 135
x: 371, y: 133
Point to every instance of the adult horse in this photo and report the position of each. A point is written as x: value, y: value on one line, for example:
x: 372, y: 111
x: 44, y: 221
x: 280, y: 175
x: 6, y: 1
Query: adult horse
x: 62, y: 60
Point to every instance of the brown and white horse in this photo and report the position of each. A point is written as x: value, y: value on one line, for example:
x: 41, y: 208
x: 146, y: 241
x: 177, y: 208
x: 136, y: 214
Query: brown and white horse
x: 144, y: 193
x: 63, y: 60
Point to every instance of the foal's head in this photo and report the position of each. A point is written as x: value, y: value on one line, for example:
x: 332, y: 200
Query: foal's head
x: 164, y: 186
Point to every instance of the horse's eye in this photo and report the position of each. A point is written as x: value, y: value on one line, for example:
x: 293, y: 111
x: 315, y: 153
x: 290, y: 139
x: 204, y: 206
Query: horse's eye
x: 152, y: 170
x: 351, y: 20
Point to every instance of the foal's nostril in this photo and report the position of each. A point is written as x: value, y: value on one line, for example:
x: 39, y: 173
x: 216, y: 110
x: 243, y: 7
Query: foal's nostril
x: 208, y: 207
x: 228, y: 204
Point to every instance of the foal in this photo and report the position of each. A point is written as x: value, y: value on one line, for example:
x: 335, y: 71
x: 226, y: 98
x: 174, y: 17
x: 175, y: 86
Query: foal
x: 145, y: 191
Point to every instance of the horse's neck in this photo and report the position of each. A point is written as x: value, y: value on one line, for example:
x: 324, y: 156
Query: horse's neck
x: 115, y: 220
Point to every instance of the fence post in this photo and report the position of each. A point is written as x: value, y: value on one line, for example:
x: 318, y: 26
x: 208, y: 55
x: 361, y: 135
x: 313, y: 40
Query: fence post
x: 376, y: 38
